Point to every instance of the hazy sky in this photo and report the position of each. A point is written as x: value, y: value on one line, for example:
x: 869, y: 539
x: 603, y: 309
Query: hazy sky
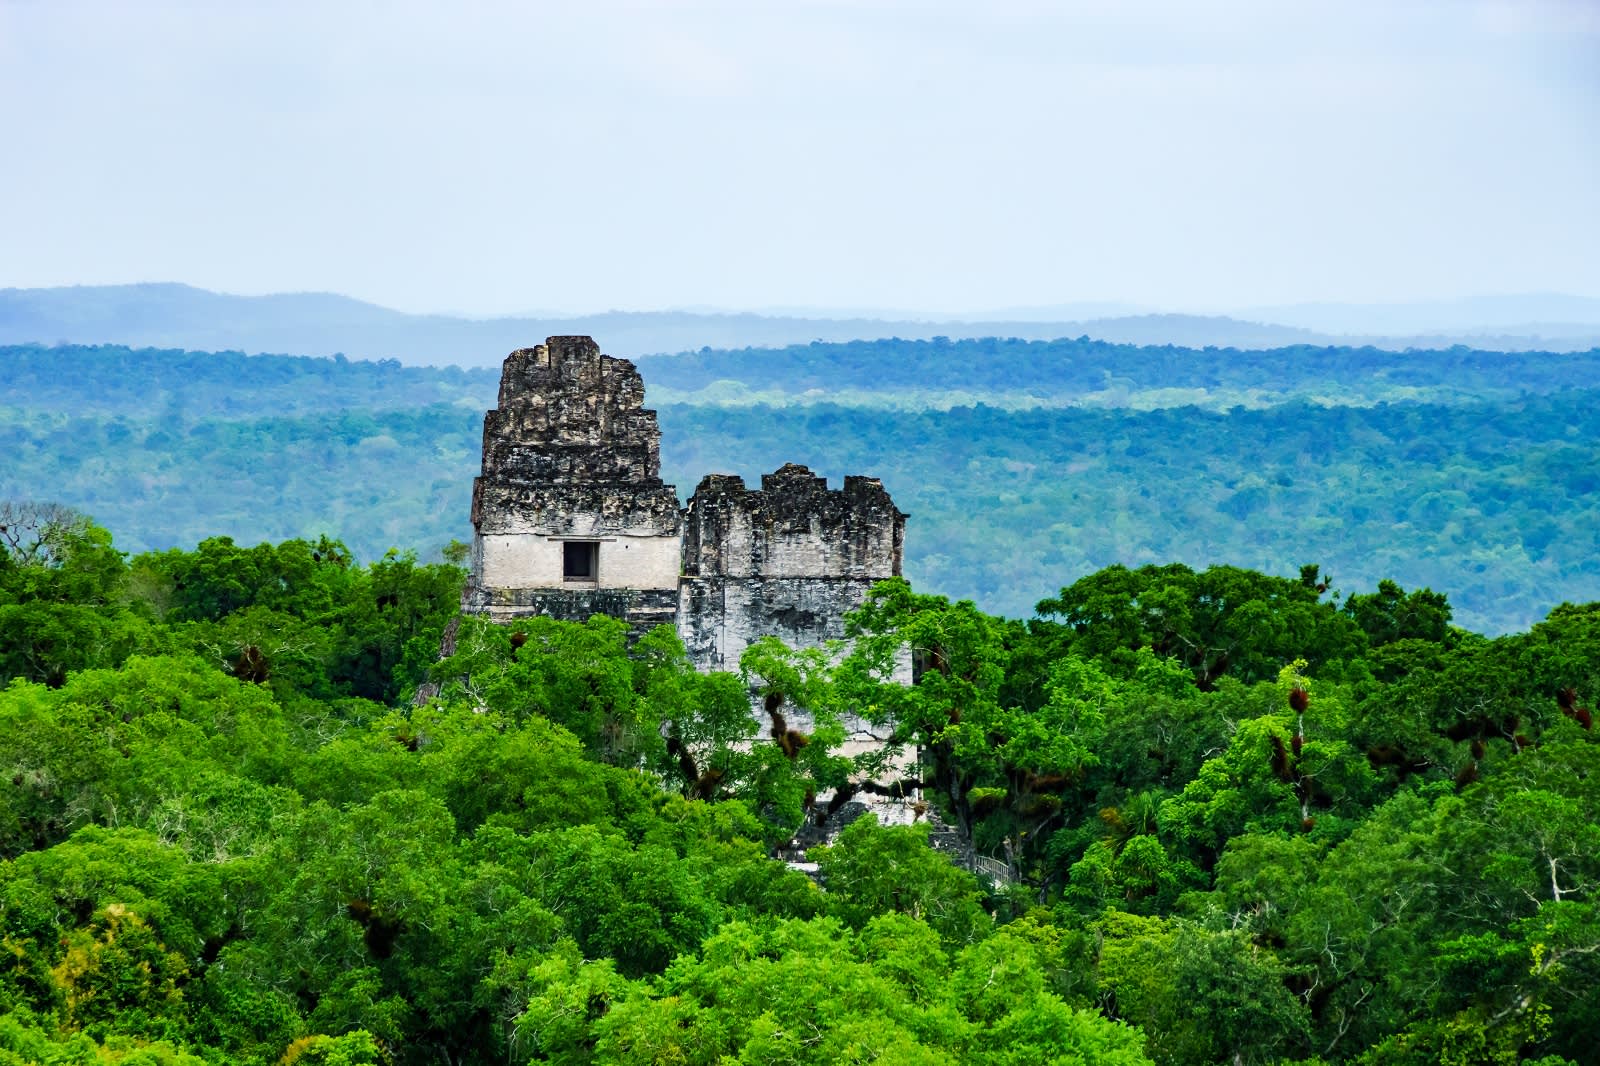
x: 497, y: 157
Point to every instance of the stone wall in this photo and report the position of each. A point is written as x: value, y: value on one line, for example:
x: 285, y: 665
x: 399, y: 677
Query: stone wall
x: 571, y: 455
x: 571, y: 463
x: 524, y: 560
x: 571, y: 519
x: 787, y: 560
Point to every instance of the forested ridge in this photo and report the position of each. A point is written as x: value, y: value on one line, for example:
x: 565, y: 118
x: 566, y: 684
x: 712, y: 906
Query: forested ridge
x: 1247, y: 822
x: 1471, y: 471
x: 169, y: 315
x: 1082, y: 370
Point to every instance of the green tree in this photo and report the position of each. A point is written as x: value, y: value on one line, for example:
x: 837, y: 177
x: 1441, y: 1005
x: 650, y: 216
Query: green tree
x: 62, y: 587
x: 1199, y: 996
x: 1221, y: 621
x: 1392, y: 614
x: 577, y: 675
x: 874, y: 870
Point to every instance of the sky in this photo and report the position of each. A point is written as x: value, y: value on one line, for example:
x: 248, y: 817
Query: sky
x: 493, y: 158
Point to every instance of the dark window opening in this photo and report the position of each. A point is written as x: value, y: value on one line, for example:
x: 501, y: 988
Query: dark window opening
x: 580, y: 560
x: 920, y: 661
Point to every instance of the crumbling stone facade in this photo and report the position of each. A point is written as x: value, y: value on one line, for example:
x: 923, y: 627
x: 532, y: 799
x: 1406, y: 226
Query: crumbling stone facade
x: 787, y: 559
x: 571, y: 518
x: 570, y: 515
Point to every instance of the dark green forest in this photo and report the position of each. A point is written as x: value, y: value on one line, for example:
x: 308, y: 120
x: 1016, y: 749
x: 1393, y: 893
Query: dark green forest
x: 1242, y: 822
x: 1488, y: 486
x: 1070, y: 370
x: 1247, y: 809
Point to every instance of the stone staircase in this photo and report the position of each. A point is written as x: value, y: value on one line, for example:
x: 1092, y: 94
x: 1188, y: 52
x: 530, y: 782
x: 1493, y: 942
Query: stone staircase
x: 943, y: 838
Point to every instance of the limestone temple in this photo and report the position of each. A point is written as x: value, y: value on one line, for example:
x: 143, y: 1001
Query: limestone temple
x: 571, y: 519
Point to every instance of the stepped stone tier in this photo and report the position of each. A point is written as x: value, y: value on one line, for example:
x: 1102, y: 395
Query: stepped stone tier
x: 571, y: 518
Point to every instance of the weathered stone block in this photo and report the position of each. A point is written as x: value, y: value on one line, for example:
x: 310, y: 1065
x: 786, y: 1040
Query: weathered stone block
x: 571, y: 518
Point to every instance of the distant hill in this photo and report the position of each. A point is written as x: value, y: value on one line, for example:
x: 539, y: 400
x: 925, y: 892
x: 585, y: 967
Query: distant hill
x: 1548, y: 314
x: 174, y: 316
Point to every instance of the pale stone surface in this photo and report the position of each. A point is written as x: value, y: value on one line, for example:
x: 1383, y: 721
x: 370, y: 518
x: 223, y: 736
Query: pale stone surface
x: 533, y: 560
x: 792, y: 526
x: 571, y: 453
x: 788, y: 560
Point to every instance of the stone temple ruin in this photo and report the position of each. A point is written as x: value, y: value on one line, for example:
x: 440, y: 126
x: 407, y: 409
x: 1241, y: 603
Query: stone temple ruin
x: 571, y: 519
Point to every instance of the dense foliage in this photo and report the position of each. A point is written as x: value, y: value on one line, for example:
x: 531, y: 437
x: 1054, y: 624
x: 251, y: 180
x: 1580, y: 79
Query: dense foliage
x: 1241, y: 822
x: 1067, y: 372
x: 113, y: 381
x: 1482, y: 490
x: 1499, y: 503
